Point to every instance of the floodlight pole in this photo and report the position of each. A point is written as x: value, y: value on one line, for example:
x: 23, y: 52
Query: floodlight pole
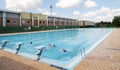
x: 51, y: 9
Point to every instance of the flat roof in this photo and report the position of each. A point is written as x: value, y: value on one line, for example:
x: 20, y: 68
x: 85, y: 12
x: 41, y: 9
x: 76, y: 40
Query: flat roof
x: 9, y: 11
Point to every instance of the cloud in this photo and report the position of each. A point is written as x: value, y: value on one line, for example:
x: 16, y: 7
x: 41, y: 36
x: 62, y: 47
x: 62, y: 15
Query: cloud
x: 68, y: 3
x: 90, y: 3
x: 76, y: 13
x: 46, y: 12
x: 22, y: 5
x: 102, y: 14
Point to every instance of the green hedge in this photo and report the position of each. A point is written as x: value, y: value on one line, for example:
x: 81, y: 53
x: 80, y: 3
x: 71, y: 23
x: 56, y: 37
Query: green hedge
x: 11, y: 29
x: 25, y: 29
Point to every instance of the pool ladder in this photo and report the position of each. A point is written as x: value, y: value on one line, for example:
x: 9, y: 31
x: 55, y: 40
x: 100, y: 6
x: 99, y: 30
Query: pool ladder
x: 83, y: 53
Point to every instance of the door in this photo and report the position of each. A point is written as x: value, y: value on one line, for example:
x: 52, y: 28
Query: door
x: 35, y: 21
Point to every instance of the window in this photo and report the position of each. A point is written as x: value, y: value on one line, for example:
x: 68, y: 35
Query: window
x: 28, y: 21
x: 14, y: 22
x: 43, y: 22
x: 40, y: 22
x: 8, y: 21
x: 49, y: 22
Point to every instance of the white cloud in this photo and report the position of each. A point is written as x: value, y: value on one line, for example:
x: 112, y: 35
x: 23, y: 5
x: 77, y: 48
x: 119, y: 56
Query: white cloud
x: 22, y: 5
x: 102, y: 14
x: 90, y: 3
x: 46, y: 12
x: 68, y: 3
x: 76, y: 13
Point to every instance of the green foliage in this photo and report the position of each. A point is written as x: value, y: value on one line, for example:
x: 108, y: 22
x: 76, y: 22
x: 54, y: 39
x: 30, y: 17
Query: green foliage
x: 116, y: 21
x: 11, y: 29
x: 103, y: 24
x: 26, y: 29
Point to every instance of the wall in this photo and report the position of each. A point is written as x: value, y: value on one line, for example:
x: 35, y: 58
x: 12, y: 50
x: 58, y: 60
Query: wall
x: 26, y: 19
x: 80, y: 23
x: 42, y: 23
x: 26, y: 22
x: 12, y: 19
x: 0, y: 18
x: 13, y: 22
x: 89, y: 23
x: 41, y: 17
x: 50, y: 23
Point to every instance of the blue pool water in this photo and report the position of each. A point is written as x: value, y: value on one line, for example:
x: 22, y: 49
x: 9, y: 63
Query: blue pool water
x: 76, y: 41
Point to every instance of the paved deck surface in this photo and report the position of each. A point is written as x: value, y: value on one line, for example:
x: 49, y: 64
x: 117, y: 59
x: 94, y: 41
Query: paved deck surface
x: 105, y: 57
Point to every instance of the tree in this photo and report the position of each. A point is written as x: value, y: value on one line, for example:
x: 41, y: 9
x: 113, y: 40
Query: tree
x: 103, y: 24
x: 116, y: 21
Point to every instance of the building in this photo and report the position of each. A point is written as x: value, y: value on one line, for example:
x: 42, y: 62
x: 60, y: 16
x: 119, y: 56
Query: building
x: 8, y: 18
x: 30, y: 19
x: 11, y: 18
x: 86, y: 23
x: 60, y: 21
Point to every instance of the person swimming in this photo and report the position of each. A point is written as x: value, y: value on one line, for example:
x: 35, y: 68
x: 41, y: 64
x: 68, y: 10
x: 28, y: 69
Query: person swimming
x: 31, y: 42
x: 50, y: 45
x: 54, y: 45
x: 64, y: 50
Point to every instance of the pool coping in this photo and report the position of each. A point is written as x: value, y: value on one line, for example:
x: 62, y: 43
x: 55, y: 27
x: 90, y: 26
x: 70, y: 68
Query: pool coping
x: 5, y: 34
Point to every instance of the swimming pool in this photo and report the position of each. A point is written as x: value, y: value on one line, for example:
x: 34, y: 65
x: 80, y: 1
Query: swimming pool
x: 78, y: 43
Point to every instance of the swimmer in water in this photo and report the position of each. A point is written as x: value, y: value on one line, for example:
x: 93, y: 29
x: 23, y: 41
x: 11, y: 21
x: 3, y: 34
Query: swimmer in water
x: 54, y: 45
x: 30, y: 42
x: 64, y: 50
x: 49, y: 45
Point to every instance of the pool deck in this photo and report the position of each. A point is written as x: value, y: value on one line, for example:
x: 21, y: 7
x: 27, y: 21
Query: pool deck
x: 105, y: 57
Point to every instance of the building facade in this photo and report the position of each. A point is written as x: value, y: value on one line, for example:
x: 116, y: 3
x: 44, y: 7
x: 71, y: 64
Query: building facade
x: 1, y: 23
x: 85, y: 23
x: 30, y: 19
x: 10, y: 18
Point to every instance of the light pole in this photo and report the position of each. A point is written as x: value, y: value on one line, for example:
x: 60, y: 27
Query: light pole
x: 51, y: 9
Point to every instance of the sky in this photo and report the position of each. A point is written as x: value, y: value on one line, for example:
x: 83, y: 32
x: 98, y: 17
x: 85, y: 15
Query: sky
x: 92, y: 10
